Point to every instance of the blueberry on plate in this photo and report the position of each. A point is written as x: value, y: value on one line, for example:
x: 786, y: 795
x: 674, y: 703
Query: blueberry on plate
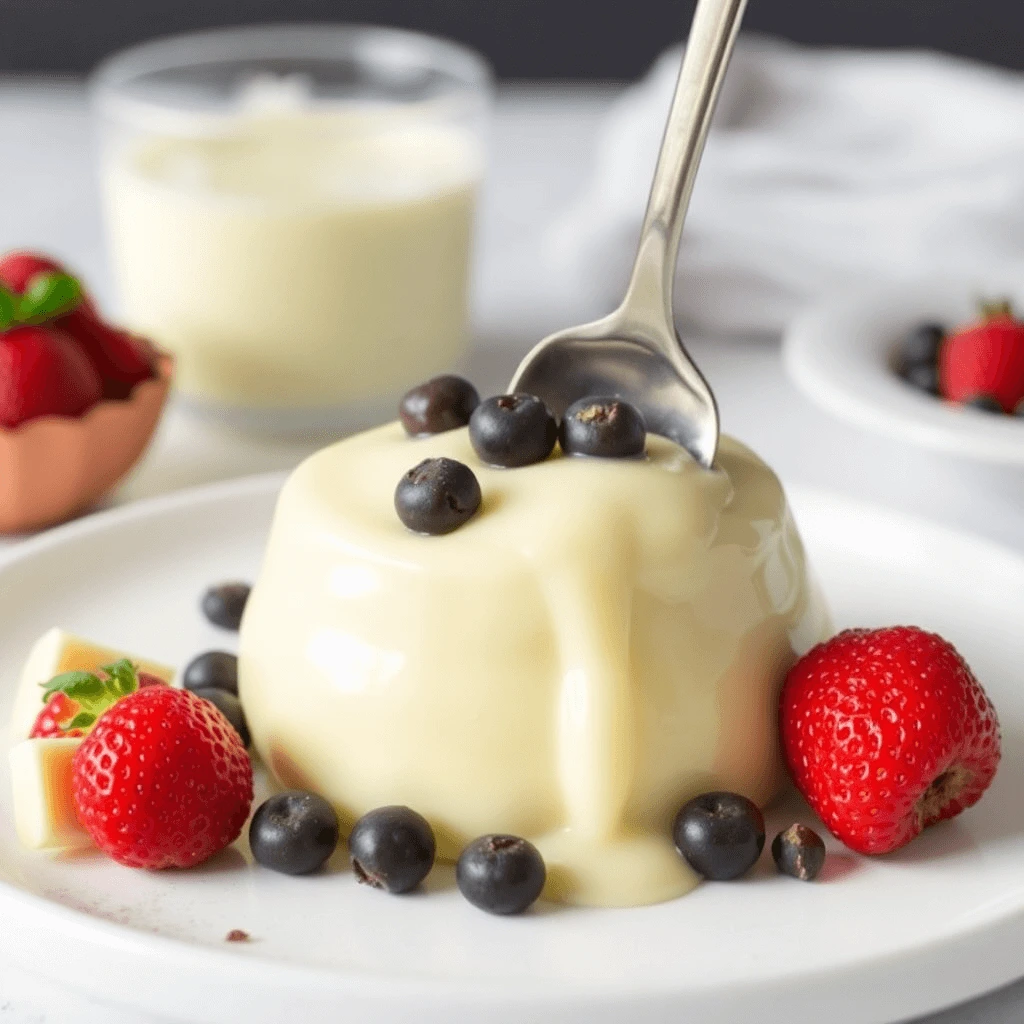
x: 443, y: 403
x: 437, y: 496
x: 392, y: 848
x: 216, y: 669
x: 720, y: 835
x: 923, y: 377
x: 800, y: 852
x: 501, y: 874
x: 921, y: 344
x: 224, y: 603
x: 513, y: 431
x: 293, y: 832
x: 230, y: 706
x: 608, y: 428
x: 984, y: 403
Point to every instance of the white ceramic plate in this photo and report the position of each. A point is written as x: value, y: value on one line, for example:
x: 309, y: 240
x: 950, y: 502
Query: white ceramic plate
x: 840, y: 353
x: 872, y: 941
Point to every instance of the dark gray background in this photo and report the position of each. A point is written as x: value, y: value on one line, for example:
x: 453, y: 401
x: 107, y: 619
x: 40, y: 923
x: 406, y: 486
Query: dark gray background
x: 533, y: 39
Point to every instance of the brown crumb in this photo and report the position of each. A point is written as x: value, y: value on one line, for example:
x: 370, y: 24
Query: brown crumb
x: 237, y: 935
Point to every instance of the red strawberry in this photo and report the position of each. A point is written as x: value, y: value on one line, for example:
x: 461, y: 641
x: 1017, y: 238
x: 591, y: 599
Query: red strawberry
x: 162, y: 780
x: 986, y: 358
x: 44, y: 373
x: 17, y: 268
x: 886, y: 732
x: 57, y: 714
x: 121, y: 360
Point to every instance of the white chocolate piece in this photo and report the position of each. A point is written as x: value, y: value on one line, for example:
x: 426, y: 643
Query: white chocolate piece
x: 44, y: 809
x: 604, y: 640
x: 55, y: 652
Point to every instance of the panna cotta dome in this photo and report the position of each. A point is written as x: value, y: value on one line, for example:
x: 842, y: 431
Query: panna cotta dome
x: 602, y: 641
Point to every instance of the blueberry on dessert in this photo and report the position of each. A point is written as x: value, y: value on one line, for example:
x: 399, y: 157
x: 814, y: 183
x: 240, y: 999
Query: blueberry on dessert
x: 392, y: 848
x: 608, y: 428
x: 224, y: 604
x: 799, y: 851
x: 293, y: 832
x: 216, y: 669
x: 443, y: 403
x: 501, y: 874
x: 437, y: 496
x: 230, y: 706
x: 513, y: 431
x: 720, y: 835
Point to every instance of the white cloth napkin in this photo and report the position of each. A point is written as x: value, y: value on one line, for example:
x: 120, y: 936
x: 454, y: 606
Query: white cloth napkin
x: 825, y: 169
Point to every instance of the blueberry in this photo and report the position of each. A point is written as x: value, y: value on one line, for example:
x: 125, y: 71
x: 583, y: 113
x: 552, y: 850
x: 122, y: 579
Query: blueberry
x: 984, y: 403
x: 231, y: 707
x: 213, y: 668
x: 799, y: 851
x: 923, y: 376
x: 606, y: 427
x: 513, y: 430
x: 501, y: 874
x: 920, y: 345
x: 437, y: 496
x: 293, y: 832
x: 720, y: 835
x: 392, y: 848
x: 224, y: 603
x: 441, y: 404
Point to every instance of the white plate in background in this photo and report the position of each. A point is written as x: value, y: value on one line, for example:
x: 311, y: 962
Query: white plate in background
x: 841, y: 354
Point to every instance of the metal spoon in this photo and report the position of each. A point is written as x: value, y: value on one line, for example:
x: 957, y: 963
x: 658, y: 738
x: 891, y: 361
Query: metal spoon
x: 635, y: 352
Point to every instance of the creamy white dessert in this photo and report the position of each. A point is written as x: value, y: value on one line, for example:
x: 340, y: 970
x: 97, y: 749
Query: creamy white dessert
x: 302, y: 260
x: 604, y: 640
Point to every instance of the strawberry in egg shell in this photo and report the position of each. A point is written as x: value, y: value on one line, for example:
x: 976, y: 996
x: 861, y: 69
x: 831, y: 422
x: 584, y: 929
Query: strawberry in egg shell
x: 35, y: 289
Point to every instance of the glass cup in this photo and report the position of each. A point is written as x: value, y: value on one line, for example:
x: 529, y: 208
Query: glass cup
x: 290, y: 210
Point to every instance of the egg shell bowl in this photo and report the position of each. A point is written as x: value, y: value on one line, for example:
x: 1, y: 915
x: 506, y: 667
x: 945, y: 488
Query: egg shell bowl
x: 53, y: 467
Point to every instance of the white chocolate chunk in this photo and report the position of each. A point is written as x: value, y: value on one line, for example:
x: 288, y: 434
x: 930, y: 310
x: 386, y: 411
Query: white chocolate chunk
x: 44, y: 810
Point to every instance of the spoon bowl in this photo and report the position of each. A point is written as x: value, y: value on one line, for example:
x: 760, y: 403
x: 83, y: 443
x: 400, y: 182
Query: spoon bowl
x: 635, y: 353
x: 602, y: 359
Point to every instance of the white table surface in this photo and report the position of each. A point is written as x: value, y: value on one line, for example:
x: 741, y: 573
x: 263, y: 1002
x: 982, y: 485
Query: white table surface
x: 542, y: 142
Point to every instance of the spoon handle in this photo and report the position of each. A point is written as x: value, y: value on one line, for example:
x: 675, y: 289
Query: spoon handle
x: 712, y: 36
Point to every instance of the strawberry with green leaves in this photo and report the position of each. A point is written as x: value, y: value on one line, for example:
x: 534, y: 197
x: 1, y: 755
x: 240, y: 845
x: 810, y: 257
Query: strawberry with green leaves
x: 58, y: 357
x: 73, y: 701
x: 984, y: 361
x: 43, y: 371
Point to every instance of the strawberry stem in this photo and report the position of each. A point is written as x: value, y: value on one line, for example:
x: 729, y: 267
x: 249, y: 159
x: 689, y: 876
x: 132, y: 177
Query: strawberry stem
x: 49, y: 295
x: 8, y: 308
x: 93, y: 693
x: 997, y: 309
